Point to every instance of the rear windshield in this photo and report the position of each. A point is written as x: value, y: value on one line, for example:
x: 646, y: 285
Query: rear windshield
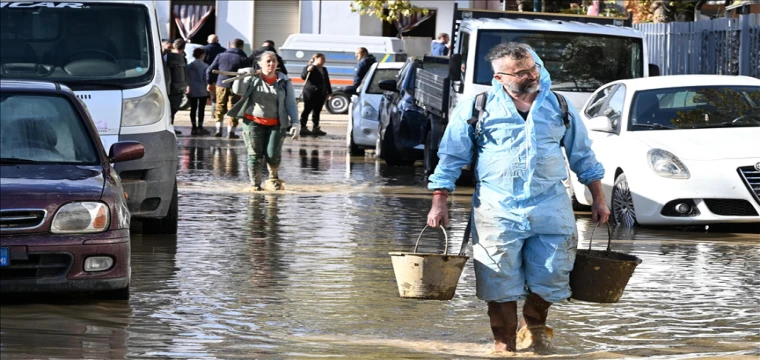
x: 380, y: 75
x: 97, y: 43
x: 696, y: 107
x: 43, y: 128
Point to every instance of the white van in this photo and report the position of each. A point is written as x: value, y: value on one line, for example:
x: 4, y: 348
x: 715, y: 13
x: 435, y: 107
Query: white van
x: 109, y: 53
x: 340, y: 60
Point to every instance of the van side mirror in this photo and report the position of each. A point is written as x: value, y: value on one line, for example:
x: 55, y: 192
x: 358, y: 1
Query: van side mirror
x: 455, y: 67
x: 654, y: 70
x: 388, y: 85
x: 600, y: 123
x: 126, y: 151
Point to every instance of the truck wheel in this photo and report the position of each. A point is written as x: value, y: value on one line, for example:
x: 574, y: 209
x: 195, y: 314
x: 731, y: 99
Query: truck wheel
x: 338, y: 104
x: 168, y: 224
x: 431, y: 155
x: 391, y: 155
x: 118, y: 294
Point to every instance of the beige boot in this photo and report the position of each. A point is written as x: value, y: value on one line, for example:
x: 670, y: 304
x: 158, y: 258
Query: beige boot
x: 274, y: 183
x: 536, y: 338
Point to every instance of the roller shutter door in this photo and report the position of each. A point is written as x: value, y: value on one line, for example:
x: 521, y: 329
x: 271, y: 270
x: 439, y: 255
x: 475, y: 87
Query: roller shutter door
x: 275, y: 20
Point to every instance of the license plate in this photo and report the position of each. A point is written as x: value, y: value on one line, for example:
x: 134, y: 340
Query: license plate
x: 5, y: 258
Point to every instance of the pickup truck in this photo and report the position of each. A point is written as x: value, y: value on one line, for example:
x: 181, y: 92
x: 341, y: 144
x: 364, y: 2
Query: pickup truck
x: 580, y: 52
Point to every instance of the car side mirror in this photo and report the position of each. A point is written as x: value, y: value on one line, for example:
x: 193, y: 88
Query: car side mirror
x: 455, y: 67
x: 654, y: 70
x: 600, y: 123
x: 126, y: 151
x: 388, y: 85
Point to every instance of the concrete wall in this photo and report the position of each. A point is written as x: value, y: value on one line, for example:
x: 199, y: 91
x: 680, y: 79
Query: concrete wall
x: 163, y: 8
x: 234, y: 20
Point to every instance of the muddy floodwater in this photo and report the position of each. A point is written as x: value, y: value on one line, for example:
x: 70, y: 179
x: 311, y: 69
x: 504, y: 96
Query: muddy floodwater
x: 306, y: 274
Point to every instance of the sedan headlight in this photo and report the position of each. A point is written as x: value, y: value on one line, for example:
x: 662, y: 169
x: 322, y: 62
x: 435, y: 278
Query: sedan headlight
x: 667, y: 165
x: 81, y: 217
x: 368, y: 112
x: 144, y: 110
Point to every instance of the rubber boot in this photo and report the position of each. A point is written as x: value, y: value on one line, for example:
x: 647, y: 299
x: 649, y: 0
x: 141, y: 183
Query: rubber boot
x: 317, y: 131
x: 254, y: 173
x: 534, y: 334
x: 503, y: 325
x: 274, y: 183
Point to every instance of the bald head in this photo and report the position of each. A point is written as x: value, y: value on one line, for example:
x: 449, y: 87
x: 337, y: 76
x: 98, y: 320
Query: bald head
x: 213, y: 39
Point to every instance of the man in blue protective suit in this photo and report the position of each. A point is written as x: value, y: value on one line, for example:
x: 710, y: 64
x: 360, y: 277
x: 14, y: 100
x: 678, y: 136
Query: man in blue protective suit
x: 524, y: 234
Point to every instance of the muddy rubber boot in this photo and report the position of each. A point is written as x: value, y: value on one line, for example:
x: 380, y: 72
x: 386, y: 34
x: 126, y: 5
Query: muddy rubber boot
x: 274, y: 183
x: 534, y: 334
x: 316, y: 131
x: 255, y: 175
x: 503, y: 325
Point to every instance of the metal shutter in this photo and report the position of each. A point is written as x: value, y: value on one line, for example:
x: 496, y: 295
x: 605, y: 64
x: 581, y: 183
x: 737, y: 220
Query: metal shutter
x: 275, y: 20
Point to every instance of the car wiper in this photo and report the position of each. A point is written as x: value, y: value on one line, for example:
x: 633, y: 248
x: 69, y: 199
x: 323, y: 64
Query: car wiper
x: 12, y: 160
x: 654, y: 126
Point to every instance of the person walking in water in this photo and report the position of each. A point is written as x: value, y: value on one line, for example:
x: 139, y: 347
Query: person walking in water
x: 523, y: 227
x: 198, y: 95
x: 231, y: 60
x: 269, y: 111
x: 316, y: 91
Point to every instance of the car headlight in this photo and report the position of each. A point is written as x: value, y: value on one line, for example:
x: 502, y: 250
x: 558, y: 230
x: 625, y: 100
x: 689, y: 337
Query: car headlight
x: 667, y: 165
x: 81, y: 217
x: 368, y: 112
x: 144, y: 110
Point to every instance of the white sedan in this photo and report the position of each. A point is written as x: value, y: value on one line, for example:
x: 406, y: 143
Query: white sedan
x: 364, y: 112
x: 677, y: 150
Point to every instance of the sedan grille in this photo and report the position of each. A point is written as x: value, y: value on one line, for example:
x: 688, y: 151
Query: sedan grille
x: 751, y: 177
x: 730, y: 207
x: 38, y: 266
x: 21, y: 219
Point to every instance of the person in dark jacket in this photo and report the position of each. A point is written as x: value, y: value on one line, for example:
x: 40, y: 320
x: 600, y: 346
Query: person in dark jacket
x: 198, y: 94
x: 316, y: 90
x: 212, y: 49
x: 268, y: 46
x: 231, y: 60
x: 365, y: 62
x: 177, y: 86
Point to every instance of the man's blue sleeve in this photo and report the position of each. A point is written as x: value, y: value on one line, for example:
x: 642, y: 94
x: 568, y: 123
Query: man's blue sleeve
x: 580, y: 156
x: 456, y: 148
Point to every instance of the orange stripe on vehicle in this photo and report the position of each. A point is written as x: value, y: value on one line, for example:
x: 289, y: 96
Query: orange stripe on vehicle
x: 332, y: 82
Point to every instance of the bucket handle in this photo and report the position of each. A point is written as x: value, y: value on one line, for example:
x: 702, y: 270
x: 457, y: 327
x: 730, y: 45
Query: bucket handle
x: 609, y: 237
x: 445, y: 249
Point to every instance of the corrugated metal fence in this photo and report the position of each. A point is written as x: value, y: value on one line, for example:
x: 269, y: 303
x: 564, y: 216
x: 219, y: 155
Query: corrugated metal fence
x: 725, y: 46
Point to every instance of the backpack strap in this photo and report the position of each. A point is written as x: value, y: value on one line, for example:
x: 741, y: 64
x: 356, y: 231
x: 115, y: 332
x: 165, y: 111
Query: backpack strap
x: 477, y: 108
x: 563, y: 106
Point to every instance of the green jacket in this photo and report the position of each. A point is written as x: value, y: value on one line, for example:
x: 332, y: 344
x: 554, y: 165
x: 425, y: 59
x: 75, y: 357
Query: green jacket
x: 287, y: 108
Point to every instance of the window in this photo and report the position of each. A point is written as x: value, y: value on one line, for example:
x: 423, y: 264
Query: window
x: 464, y: 50
x: 102, y: 43
x: 377, y: 77
x: 576, y: 62
x: 614, y: 109
x: 696, y: 107
x: 43, y: 128
x: 596, y: 105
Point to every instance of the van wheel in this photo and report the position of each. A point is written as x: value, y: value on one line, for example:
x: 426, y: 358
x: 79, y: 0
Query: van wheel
x: 118, y: 294
x: 338, y: 104
x: 168, y: 224
x: 391, y: 155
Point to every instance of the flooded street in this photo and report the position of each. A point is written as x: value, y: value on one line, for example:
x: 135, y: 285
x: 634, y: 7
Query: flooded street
x: 305, y: 273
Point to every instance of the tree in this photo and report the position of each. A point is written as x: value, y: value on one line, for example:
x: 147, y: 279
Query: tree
x: 396, y: 9
x: 660, y: 11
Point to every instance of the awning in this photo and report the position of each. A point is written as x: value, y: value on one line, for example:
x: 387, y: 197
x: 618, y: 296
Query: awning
x: 190, y: 18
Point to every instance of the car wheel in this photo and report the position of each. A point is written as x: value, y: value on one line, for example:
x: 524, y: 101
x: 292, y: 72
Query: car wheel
x: 578, y: 206
x: 168, y: 224
x: 379, y: 142
x: 622, y: 203
x: 353, y: 149
x: 118, y: 294
x: 185, y: 103
x: 338, y: 104
x: 391, y: 155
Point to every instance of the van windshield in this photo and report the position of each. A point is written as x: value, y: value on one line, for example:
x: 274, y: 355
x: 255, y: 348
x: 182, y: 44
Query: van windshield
x: 575, y: 62
x: 76, y: 44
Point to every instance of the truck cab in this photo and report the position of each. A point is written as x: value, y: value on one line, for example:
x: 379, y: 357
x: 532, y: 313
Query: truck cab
x: 109, y: 53
x: 581, y: 53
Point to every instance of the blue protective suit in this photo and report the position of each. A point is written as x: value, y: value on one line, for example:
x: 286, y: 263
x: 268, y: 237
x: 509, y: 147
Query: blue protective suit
x: 524, y: 234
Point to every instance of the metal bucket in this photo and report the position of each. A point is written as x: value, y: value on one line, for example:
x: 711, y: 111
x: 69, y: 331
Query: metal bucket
x: 427, y: 276
x: 601, y: 276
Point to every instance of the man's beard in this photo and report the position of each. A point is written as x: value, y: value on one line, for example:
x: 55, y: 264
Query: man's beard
x: 526, y: 87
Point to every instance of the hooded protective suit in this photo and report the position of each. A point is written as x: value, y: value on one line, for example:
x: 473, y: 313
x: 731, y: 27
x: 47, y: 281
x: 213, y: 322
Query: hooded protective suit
x: 524, y: 230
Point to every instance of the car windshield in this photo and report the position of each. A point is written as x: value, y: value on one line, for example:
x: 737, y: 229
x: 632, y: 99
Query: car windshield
x: 696, y: 107
x: 380, y: 75
x: 45, y: 129
x: 575, y: 62
x: 96, y: 43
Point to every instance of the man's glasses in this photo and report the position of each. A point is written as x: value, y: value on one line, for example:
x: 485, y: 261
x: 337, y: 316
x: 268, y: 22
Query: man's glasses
x: 524, y: 73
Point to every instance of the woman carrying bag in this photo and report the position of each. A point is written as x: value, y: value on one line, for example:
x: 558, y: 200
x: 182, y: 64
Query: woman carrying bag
x: 316, y: 91
x: 269, y: 110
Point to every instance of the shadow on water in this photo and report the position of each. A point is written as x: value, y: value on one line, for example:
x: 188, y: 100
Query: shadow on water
x: 306, y: 273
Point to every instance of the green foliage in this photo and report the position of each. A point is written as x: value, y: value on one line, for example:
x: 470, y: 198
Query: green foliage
x: 396, y: 9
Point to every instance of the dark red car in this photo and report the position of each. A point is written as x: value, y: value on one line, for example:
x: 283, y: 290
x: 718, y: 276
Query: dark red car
x: 64, y: 222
